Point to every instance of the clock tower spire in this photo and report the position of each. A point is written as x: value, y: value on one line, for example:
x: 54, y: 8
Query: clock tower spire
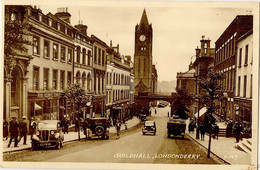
x: 143, y: 55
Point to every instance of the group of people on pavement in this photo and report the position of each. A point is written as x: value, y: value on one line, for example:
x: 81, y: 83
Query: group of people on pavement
x: 237, y: 130
x: 17, y: 130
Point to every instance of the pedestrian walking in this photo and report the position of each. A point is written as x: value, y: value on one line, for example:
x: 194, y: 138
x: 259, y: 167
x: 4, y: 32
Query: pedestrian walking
x: 202, y: 131
x: 215, y: 131
x: 23, y: 130
x: 168, y: 114
x: 237, y: 132
x: 5, y: 129
x: 66, y: 125
x: 155, y: 111
x: 191, y: 127
x: 118, y: 127
x: 33, y: 126
x: 13, y: 129
x: 76, y: 121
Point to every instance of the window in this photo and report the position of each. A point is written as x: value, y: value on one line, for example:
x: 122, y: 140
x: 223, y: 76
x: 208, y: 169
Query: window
x: 84, y: 80
x: 95, y: 55
x: 78, y: 54
x: 45, y: 79
x: 69, y: 55
x: 55, y: 51
x: 205, y: 48
x: 36, y: 78
x: 89, y: 55
x: 50, y: 22
x: 36, y: 45
x: 62, y: 80
x: 54, y: 79
x: 238, y: 86
x: 69, y: 79
x: 62, y: 53
x: 245, y: 82
x: 95, y: 83
x: 99, y: 56
x: 246, y: 55
x: 46, y: 49
x: 103, y: 57
x: 251, y: 86
x: 84, y: 57
x: 99, y: 83
x: 240, y: 57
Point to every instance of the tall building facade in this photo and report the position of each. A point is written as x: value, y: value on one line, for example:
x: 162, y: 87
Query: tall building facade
x: 244, y: 79
x: 143, y: 67
x: 225, y: 61
x: 118, y: 84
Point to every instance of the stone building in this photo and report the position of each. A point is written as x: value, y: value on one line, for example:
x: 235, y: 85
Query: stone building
x: 225, y: 61
x: 244, y: 79
x: 118, y: 84
x: 45, y: 71
x: 143, y: 68
x: 83, y: 65
x: 99, y: 76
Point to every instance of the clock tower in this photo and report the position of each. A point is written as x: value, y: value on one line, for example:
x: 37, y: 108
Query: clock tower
x: 143, y: 56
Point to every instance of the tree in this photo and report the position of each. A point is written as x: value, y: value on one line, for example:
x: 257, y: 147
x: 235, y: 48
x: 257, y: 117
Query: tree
x: 212, y: 91
x: 79, y: 99
x: 183, y: 100
x: 15, y: 39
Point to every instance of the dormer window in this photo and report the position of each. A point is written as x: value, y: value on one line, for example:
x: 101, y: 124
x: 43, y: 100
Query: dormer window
x: 50, y: 22
x: 58, y: 26
x: 40, y: 17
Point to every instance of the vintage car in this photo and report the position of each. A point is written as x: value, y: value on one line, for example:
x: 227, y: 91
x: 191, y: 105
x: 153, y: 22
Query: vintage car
x: 143, y: 117
x: 48, y: 134
x: 176, y: 126
x: 97, y: 127
x: 149, y: 127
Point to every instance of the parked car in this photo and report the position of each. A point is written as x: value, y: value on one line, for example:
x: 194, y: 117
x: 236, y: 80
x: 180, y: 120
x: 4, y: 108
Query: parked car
x: 176, y: 126
x: 149, y: 127
x: 97, y: 127
x: 143, y: 117
x: 48, y: 134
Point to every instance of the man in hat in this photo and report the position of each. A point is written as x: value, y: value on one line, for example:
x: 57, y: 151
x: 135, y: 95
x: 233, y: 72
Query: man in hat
x: 33, y: 126
x: 13, y: 129
x: 23, y: 130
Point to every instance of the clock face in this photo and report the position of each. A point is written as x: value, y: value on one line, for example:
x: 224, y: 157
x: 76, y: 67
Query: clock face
x: 142, y: 38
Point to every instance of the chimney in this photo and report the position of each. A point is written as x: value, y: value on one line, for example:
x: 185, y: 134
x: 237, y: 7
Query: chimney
x: 82, y: 28
x: 197, y: 51
x: 110, y: 43
x: 62, y: 13
x: 128, y: 57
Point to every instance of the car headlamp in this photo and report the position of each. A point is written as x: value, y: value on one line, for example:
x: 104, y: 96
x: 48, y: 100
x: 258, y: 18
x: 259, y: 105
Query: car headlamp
x: 52, y: 132
x: 37, y: 133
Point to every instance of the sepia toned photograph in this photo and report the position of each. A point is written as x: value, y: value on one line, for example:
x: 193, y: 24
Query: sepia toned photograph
x: 129, y: 84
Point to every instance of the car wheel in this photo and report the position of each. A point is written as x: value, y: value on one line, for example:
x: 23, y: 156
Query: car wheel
x: 154, y: 133
x: 169, y: 135
x: 143, y: 133
x: 182, y: 136
x: 34, y: 147
x: 107, y: 137
x: 99, y: 130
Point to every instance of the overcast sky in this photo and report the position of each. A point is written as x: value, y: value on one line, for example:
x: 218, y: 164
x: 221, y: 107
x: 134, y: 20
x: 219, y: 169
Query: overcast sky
x: 177, y: 27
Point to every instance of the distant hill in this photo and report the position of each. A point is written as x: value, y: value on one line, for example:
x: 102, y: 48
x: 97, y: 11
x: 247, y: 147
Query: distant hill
x: 167, y: 86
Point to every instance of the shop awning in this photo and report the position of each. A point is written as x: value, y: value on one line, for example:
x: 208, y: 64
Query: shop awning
x: 202, y: 112
x: 37, y: 107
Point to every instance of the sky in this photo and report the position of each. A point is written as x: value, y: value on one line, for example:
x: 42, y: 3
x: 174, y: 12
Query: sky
x: 177, y: 27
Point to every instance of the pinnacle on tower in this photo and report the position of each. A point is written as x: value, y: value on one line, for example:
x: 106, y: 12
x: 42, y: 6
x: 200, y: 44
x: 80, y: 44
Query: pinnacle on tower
x: 143, y: 21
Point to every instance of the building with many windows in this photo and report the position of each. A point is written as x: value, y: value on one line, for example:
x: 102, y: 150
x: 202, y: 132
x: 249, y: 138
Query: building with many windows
x: 99, y: 76
x: 38, y: 83
x: 225, y: 61
x: 244, y: 78
x: 118, y: 84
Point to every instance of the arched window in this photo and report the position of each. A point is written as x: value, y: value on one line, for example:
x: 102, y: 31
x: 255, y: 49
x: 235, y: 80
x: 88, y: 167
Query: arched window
x: 88, y: 82
x: 78, y: 78
x: 84, y: 80
x: 89, y: 56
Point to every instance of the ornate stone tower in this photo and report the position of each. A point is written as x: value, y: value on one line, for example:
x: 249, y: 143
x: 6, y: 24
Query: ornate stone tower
x: 143, y: 56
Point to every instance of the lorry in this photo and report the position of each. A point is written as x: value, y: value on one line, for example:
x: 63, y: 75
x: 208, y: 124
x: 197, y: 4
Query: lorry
x: 176, y: 126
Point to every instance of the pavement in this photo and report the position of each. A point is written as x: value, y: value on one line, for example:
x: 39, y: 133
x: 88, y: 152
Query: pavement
x: 224, y: 148
x: 71, y: 136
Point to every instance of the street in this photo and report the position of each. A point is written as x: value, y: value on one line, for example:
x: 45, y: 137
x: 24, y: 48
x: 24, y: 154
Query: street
x: 132, y: 147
